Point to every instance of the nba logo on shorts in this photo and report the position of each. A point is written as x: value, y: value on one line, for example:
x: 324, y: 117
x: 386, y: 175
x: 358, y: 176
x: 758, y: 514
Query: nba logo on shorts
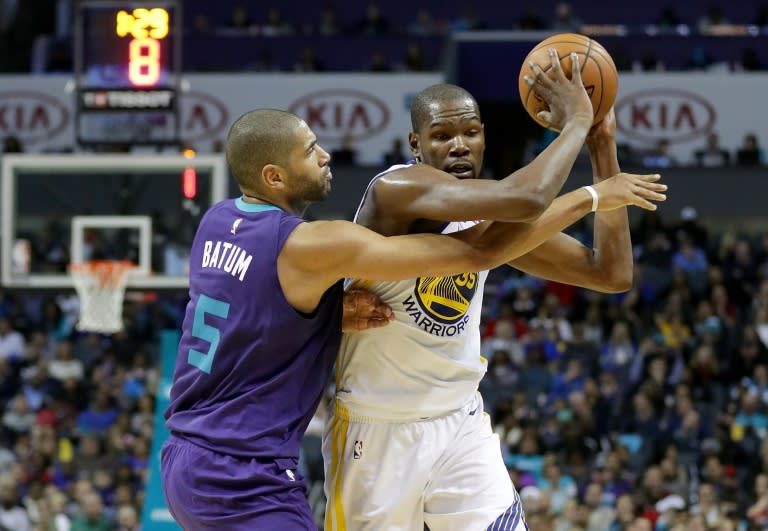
x: 358, y: 453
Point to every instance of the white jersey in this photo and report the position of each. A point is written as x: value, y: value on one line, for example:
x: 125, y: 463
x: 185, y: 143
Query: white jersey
x: 426, y: 362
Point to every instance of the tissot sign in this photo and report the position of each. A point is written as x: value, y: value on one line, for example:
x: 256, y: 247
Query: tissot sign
x: 366, y: 110
x: 684, y: 107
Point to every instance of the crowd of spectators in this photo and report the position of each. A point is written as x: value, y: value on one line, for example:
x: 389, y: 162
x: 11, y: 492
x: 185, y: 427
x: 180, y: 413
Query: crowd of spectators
x: 77, y: 414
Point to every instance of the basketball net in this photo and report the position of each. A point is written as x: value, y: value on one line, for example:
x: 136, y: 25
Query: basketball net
x: 100, y: 286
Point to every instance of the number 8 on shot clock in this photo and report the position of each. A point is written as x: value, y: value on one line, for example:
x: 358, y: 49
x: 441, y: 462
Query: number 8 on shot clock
x: 127, y: 72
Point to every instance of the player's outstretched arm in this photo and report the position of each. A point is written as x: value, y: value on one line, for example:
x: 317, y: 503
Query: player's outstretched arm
x: 318, y: 254
x: 523, y: 240
x: 608, y: 266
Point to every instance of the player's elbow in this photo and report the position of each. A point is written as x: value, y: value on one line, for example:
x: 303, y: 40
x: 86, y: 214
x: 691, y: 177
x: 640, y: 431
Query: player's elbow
x: 527, y: 208
x: 617, y: 281
x: 485, y: 256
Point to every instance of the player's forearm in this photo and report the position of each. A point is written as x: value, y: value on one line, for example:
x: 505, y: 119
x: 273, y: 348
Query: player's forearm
x: 508, y: 241
x: 613, y: 261
x: 545, y: 175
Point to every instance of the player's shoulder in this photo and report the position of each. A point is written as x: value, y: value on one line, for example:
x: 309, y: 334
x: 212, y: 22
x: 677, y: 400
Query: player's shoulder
x: 410, y: 177
x: 321, y: 232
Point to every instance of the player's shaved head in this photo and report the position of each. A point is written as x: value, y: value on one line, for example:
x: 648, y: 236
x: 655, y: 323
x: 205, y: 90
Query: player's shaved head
x: 258, y: 138
x: 431, y: 97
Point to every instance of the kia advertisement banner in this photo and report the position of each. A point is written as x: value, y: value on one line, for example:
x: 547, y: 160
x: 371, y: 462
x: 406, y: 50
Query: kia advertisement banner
x: 365, y: 111
x: 368, y: 111
x: 684, y: 108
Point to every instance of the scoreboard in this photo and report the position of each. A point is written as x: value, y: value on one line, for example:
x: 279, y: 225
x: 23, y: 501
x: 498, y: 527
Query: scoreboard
x: 127, y: 72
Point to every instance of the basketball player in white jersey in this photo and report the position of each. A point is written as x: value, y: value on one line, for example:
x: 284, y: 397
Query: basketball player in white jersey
x: 408, y: 443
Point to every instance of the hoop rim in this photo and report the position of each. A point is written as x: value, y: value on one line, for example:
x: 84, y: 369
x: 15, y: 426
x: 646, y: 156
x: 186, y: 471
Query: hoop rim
x: 110, y: 273
x: 92, y: 265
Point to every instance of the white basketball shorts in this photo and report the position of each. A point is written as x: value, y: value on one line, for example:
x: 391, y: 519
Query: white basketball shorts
x: 447, y: 472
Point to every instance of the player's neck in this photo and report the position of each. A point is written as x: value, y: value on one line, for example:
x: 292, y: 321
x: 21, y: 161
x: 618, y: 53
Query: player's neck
x: 256, y: 200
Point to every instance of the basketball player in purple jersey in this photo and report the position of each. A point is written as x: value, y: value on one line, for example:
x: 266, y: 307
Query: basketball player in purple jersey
x: 263, y: 325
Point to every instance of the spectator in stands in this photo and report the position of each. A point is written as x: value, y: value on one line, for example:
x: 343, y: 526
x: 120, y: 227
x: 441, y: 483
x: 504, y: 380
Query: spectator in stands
x: 329, y: 24
x: 424, y: 24
x: 240, y: 18
x: 708, y: 505
x: 12, y: 144
x: 308, y: 61
x: 201, y: 25
x: 648, y: 62
x: 467, y: 21
x: 12, y: 515
x: 711, y: 19
x: 263, y: 63
x: 530, y: 20
x: 345, y: 154
x: 93, y: 518
x: 396, y: 153
x: 12, y: 344
x: 668, y: 18
x: 660, y: 157
x: 127, y: 518
x: 65, y: 366
x: 374, y: 22
x: 618, y: 351
x: 379, y: 62
x: 560, y: 488
x: 276, y: 26
x: 712, y: 155
x: 565, y: 20
x: 758, y: 511
x: 414, y: 60
x: 750, y: 60
x: 19, y: 418
x: 700, y: 59
x: 600, y: 514
x: 750, y: 153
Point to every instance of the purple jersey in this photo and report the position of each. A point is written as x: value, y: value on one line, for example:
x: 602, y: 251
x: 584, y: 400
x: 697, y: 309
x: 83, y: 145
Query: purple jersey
x: 250, y: 369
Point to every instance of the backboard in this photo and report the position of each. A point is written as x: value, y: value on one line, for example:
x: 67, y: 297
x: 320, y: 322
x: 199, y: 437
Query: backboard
x: 62, y: 208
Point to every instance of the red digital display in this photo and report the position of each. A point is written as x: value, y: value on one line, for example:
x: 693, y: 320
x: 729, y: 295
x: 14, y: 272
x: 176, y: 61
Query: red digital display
x: 147, y: 27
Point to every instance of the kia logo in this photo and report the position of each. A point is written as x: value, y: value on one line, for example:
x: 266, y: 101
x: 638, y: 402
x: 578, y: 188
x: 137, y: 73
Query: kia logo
x: 676, y: 115
x: 337, y: 113
x: 202, y: 116
x: 31, y: 116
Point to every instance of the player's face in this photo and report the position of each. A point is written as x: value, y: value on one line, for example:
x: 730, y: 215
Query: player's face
x: 453, y: 140
x: 309, y: 167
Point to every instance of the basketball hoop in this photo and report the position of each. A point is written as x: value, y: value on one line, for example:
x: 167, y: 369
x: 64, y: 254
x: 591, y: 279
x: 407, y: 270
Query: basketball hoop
x: 100, y: 286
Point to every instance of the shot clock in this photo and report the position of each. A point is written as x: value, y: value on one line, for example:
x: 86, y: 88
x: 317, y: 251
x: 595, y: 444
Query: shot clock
x: 127, y: 72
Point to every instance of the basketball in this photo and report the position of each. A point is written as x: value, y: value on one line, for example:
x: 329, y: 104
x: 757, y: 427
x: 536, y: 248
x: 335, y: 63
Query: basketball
x: 598, y: 73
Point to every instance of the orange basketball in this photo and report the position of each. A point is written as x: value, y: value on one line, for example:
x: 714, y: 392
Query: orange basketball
x: 598, y: 73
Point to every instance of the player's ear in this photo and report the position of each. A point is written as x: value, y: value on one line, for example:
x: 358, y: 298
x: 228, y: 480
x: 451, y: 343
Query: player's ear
x: 272, y: 176
x: 413, y: 143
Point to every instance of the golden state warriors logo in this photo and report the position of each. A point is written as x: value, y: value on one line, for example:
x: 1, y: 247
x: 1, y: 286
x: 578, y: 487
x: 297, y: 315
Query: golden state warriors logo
x: 439, y: 305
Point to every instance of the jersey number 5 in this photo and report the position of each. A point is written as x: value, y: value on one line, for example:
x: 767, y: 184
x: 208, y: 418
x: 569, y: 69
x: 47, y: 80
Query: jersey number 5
x: 211, y: 334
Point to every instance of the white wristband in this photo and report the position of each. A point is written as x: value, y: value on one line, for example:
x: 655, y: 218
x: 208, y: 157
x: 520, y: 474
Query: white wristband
x: 593, y: 193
